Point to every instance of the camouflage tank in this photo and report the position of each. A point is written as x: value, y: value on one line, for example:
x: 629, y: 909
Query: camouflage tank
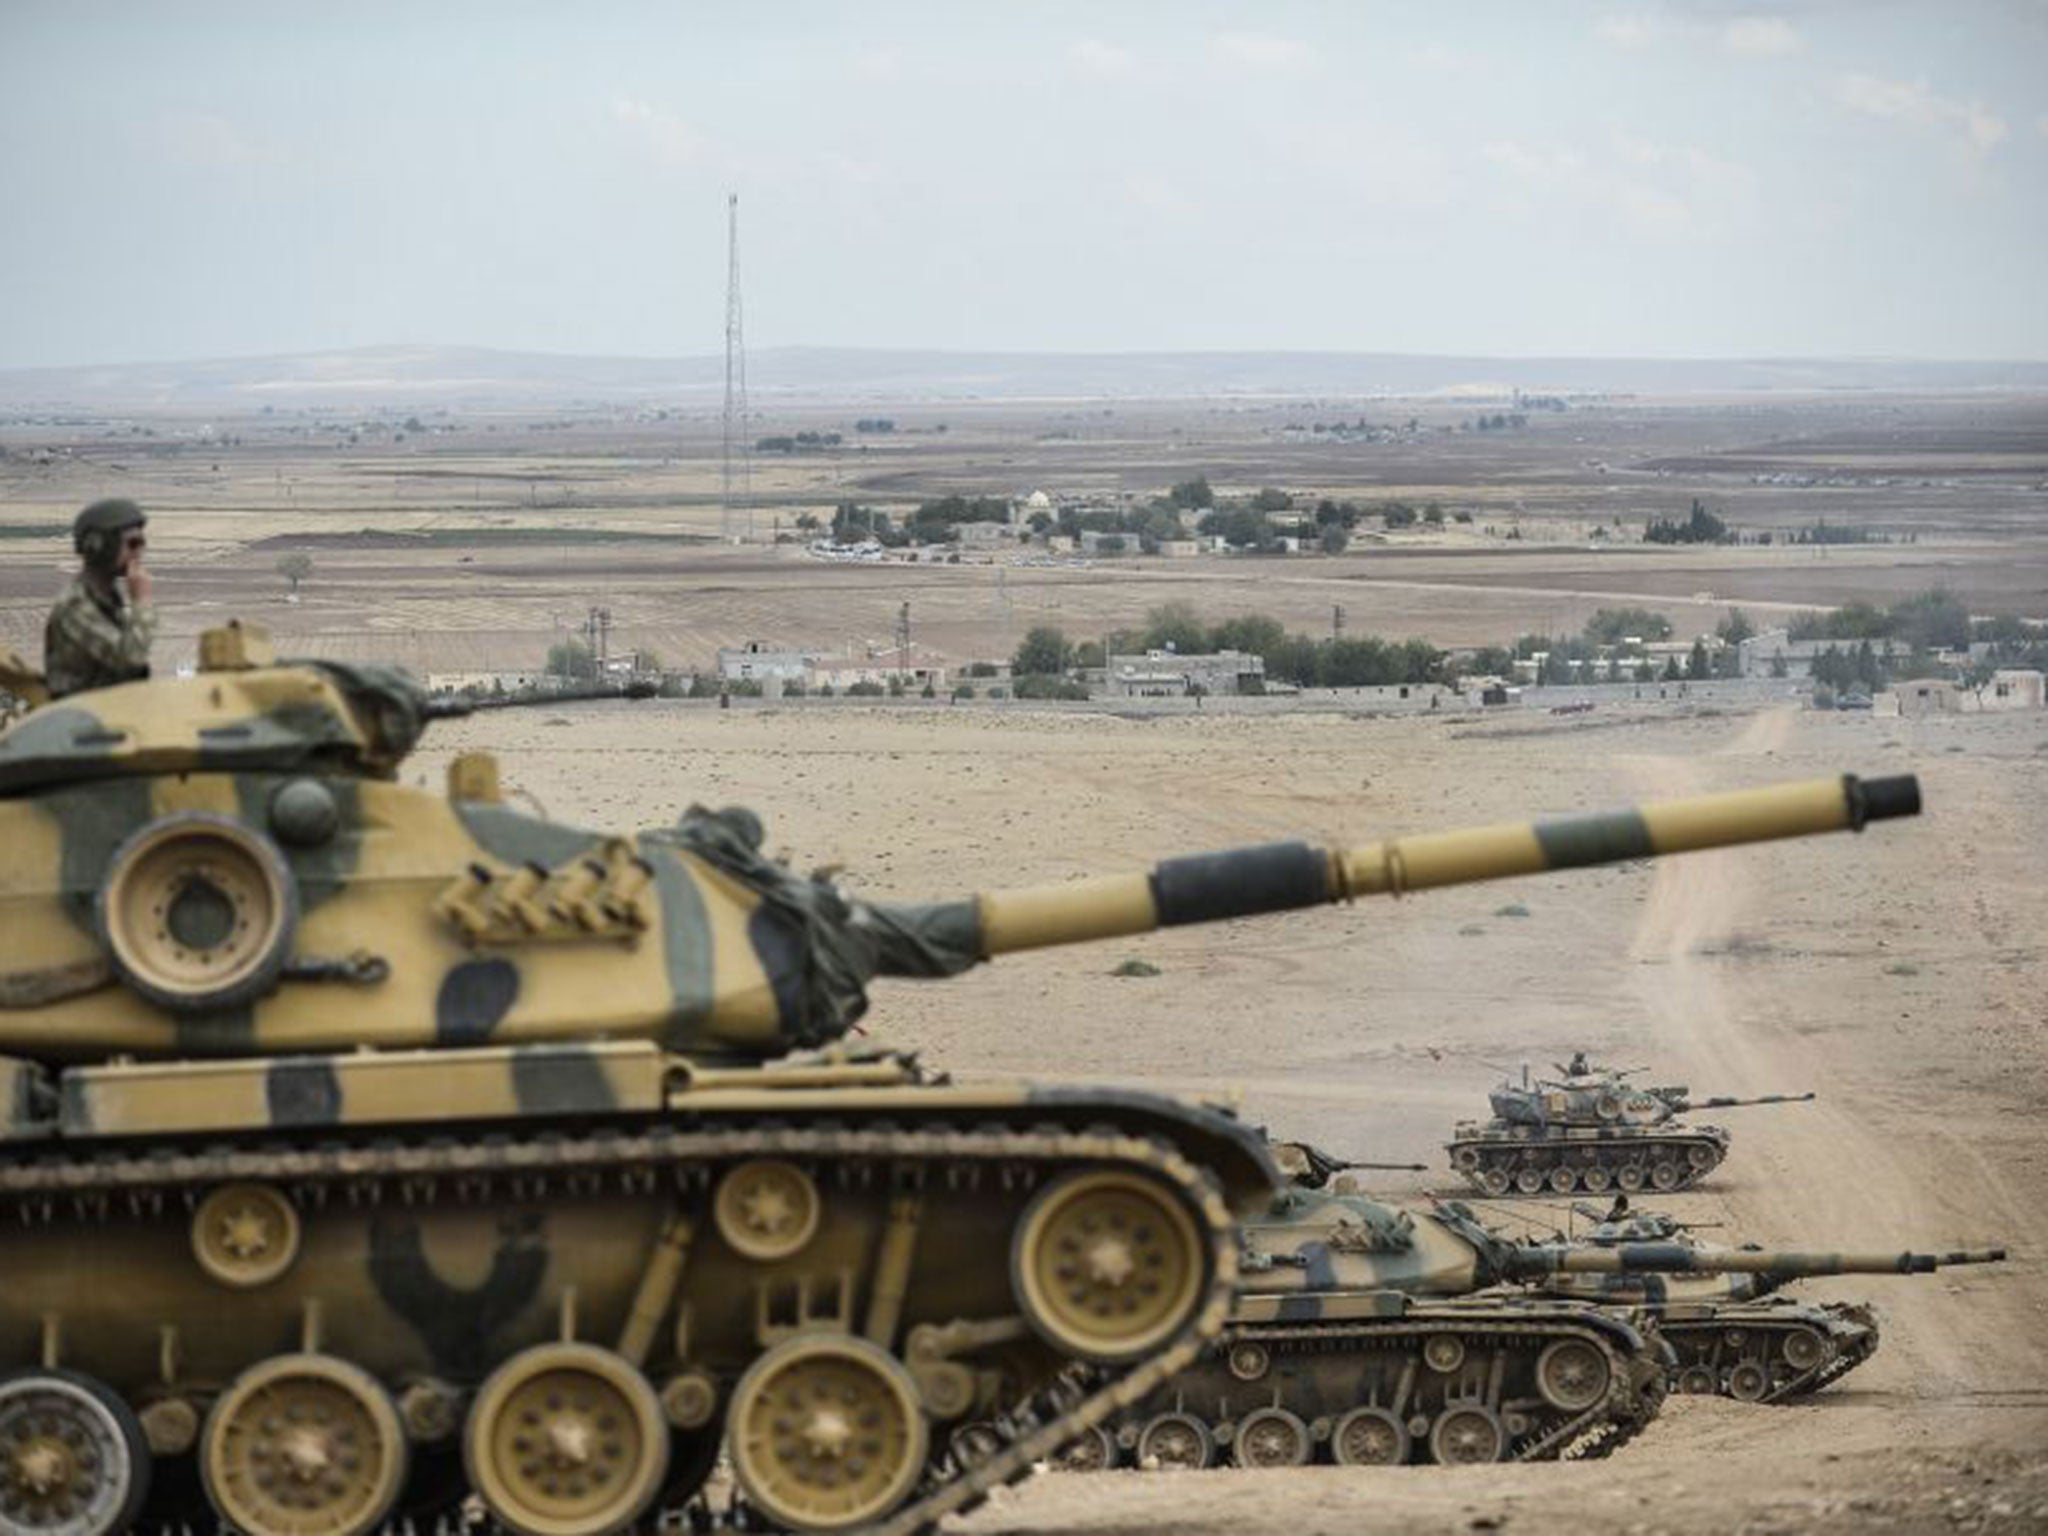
x: 1728, y: 1330
x: 1360, y: 1335
x: 366, y: 1149
x: 1591, y: 1129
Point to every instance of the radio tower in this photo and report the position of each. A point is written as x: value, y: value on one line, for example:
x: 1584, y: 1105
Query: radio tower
x: 738, y: 519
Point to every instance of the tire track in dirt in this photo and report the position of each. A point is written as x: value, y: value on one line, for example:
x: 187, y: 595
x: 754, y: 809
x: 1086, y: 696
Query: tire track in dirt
x: 1843, y: 1176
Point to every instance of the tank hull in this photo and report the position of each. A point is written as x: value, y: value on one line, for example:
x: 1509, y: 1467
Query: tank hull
x: 1772, y: 1350
x: 1503, y: 1161
x: 1455, y: 1380
x: 683, y: 1242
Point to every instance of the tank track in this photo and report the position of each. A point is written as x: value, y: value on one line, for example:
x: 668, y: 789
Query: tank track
x: 1634, y: 1394
x: 1850, y: 1332
x: 107, y: 1186
x: 1503, y: 1169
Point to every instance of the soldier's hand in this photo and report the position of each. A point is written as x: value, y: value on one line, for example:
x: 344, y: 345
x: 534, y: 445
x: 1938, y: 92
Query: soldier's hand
x: 138, y: 583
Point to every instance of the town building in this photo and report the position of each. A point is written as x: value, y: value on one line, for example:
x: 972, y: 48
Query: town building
x: 1168, y: 674
x: 1929, y: 696
x: 2014, y: 689
x: 756, y: 662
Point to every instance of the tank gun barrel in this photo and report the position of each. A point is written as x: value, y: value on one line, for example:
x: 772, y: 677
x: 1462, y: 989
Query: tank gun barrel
x: 1280, y: 877
x: 1683, y: 1105
x: 455, y: 706
x: 1681, y: 1258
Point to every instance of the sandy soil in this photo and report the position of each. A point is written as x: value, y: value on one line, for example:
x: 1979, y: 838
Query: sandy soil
x: 1899, y: 974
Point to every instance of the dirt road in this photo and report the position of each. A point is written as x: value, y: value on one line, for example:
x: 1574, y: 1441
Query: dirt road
x: 1899, y: 974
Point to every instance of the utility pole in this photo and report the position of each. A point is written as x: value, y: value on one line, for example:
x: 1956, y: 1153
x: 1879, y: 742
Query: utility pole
x: 903, y: 639
x: 1336, y: 621
x: 736, y: 470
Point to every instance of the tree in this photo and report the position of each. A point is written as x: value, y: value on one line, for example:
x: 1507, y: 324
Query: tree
x: 1491, y: 661
x: 1611, y: 626
x: 571, y: 659
x: 1697, y: 666
x: 1193, y: 493
x: 1935, y: 620
x: 295, y: 566
x: 1253, y: 633
x: 1702, y: 527
x: 1333, y: 539
x: 1272, y: 499
x: 1175, y: 626
x: 1044, y: 653
x: 1736, y: 628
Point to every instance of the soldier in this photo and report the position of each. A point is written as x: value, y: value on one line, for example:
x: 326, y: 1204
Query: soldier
x: 98, y: 634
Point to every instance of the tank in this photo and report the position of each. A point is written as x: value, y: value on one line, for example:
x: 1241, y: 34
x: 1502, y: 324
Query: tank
x: 1367, y: 1334
x: 368, y: 1148
x: 1590, y: 1129
x: 1728, y: 1330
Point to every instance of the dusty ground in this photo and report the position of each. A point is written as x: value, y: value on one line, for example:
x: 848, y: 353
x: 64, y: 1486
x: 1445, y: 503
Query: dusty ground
x: 1899, y: 974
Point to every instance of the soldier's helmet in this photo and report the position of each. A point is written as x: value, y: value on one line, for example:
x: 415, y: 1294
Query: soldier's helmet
x: 96, y: 532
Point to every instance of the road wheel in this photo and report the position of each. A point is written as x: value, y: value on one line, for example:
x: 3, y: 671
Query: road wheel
x: 826, y: 1433
x: 1699, y: 1380
x: 1596, y: 1178
x: 1369, y: 1437
x: 1107, y: 1265
x: 1529, y: 1180
x: 566, y: 1440
x: 1749, y: 1382
x: 1270, y: 1437
x: 1176, y: 1442
x: 304, y: 1445
x: 1664, y: 1177
x: 1093, y: 1450
x: 1573, y: 1375
x: 1629, y: 1176
x: 73, y: 1461
x: 1563, y: 1179
x: 1803, y: 1349
x: 1466, y: 1435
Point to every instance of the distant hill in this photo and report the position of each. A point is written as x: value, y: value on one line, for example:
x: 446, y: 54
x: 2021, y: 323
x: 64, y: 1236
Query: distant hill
x: 412, y: 376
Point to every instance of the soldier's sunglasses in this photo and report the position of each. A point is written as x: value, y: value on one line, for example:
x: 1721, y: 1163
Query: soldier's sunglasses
x: 133, y: 541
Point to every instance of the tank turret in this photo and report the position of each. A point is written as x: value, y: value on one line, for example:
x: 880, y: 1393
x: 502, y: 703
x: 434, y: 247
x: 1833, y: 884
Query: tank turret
x: 439, y: 1151
x: 1716, y: 1307
x: 223, y: 865
x: 1590, y: 1128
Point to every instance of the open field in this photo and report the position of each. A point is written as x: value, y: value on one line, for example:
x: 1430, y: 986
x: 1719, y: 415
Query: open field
x: 1899, y: 974
x: 523, y: 522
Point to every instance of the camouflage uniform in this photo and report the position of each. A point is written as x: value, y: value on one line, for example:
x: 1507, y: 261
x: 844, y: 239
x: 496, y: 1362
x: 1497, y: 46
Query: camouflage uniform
x: 94, y: 638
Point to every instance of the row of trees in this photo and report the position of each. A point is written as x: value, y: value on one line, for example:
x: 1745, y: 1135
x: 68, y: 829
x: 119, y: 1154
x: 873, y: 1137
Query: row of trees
x: 797, y: 442
x: 1701, y: 527
x: 1303, y: 660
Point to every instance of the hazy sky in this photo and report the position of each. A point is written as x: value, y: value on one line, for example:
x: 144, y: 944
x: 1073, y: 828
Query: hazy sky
x: 205, y: 178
